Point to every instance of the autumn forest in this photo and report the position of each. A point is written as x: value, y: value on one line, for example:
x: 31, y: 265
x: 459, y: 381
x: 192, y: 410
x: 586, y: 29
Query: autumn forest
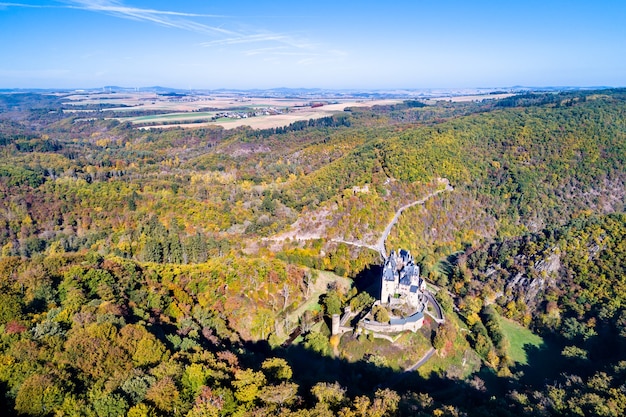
x: 193, y: 271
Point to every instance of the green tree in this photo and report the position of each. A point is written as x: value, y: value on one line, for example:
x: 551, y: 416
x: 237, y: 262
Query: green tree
x: 137, y: 386
x: 193, y: 379
x: 39, y: 395
x: 262, y: 323
x: 317, y: 342
x: 277, y: 369
x: 445, y: 301
x: 152, y: 251
x: 362, y: 301
x: 110, y: 405
x: 248, y: 384
x: 381, y: 314
x: 332, y: 302
x: 149, y: 351
x: 141, y: 410
x: 10, y: 307
x: 333, y: 394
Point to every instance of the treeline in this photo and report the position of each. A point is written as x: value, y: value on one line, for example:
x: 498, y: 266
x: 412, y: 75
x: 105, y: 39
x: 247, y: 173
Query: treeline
x: 27, y: 102
x: 415, y: 112
x: 15, y: 176
x: 31, y: 144
x: 329, y: 121
x: 153, y: 242
x: 342, y: 259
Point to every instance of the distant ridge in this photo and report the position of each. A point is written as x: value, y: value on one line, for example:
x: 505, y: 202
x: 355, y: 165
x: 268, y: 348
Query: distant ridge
x: 310, y: 93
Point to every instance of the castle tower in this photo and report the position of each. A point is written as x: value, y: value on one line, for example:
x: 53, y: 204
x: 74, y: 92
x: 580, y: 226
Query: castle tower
x: 390, y: 278
x: 334, y: 327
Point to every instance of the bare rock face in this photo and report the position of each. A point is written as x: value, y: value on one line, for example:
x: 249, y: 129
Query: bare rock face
x: 536, y: 278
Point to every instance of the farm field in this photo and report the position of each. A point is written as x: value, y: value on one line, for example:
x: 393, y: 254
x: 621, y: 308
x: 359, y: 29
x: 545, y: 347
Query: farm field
x: 191, y: 111
x: 292, y: 114
x: 278, y: 120
x: 169, y: 117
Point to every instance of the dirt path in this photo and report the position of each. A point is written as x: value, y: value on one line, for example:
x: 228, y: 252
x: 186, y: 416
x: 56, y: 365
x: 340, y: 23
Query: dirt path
x: 396, y: 379
x: 296, y: 234
x: 380, y: 245
x: 422, y: 360
x: 359, y: 244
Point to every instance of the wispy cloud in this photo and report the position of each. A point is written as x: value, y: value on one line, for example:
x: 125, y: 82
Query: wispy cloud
x: 185, y: 21
x: 30, y: 6
x: 117, y: 7
x: 278, y: 44
x: 260, y: 37
x: 265, y: 51
x: 166, y: 18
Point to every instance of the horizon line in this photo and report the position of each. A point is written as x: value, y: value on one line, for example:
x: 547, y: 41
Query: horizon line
x: 351, y: 89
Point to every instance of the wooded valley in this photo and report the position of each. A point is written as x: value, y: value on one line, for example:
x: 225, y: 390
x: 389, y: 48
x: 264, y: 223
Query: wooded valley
x: 161, y: 272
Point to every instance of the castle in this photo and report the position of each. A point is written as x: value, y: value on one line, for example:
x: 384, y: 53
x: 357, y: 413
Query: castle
x: 401, y: 281
x: 402, y: 288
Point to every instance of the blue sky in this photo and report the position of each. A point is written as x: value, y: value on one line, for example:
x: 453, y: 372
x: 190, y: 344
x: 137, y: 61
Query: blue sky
x: 325, y: 44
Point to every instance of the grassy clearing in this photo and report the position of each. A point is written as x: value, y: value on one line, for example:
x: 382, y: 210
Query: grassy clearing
x: 414, y: 346
x: 519, y: 337
x: 324, y: 278
x: 404, y: 352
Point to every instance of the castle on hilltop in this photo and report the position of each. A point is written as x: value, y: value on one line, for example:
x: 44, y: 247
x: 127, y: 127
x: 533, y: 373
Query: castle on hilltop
x: 401, y: 281
x: 402, y: 289
x: 403, y: 294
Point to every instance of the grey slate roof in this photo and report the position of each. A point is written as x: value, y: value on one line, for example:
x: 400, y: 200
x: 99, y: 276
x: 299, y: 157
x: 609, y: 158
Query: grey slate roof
x: 412, y: 319
x: 388, y: 274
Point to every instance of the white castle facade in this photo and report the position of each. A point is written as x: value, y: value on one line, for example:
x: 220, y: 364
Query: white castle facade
x: 401, y: 281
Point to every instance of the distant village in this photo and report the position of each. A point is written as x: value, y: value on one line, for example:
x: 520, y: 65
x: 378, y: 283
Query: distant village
x: 268, y: 111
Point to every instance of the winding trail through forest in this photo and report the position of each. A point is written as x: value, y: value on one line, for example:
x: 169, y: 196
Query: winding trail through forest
x: 359, y: 244
x: 379, y: 246
x: 380, y: 243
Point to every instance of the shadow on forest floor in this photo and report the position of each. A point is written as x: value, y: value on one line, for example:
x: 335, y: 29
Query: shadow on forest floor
x: 368, y: 280
x: 474, y: 395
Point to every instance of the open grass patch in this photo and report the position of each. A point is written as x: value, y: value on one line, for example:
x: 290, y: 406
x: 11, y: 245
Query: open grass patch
x: 354, y: 349
x: 414, y: 346
x: 519, y: 337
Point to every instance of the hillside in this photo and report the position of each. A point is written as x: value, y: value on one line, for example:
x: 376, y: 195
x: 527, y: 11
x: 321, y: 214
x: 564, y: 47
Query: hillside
x: 159, y: 272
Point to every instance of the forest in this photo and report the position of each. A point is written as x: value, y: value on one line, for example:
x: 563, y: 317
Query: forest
x: 193, y: 272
